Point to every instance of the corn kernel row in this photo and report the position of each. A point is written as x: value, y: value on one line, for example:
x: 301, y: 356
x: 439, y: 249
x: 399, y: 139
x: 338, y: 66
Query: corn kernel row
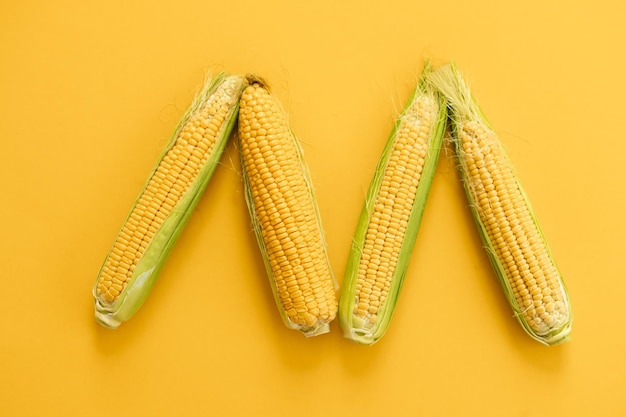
x: 166, y: 201
x: 513, y: 238
x: 390, y: 218
x: 284, y: 213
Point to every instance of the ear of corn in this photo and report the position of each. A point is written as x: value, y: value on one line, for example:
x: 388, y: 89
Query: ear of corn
x: 284, y: 213
x: 508, y: 227
x: 390, y: 219
x: 166, y: 201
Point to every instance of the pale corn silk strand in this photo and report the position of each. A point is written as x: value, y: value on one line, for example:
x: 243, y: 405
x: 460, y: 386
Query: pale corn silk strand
x: 174, y: 175
x: 514, y: 239
x: 284, y: 211
x: 391, y: 210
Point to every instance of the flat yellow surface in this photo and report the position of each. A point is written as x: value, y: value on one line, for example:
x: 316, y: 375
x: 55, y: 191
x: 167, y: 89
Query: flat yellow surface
x: 91, y: 91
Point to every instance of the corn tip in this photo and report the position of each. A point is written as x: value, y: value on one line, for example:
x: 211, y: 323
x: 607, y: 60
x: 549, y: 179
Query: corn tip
x: 254, y: 79
x: 105, y: 317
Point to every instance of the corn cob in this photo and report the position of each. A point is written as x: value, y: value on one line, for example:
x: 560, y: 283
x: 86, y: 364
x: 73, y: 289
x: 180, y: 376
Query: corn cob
x: 390, y: 218
x: 166, y: 202
x: 284, y: 213
x: 508, y: 226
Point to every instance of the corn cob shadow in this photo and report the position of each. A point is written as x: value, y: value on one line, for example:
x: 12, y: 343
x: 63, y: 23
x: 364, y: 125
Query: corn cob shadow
x: 167, y: 201
x: 508, y: 227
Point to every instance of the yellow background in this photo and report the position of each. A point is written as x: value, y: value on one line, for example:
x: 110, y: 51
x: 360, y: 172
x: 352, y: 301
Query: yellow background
x: 90, y: 92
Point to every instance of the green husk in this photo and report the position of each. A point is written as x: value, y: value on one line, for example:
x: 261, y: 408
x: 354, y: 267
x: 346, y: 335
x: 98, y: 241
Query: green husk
x: 353, y: 327
x: 321, y: 327
x: 111, y: 315
x: 463, y: 108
